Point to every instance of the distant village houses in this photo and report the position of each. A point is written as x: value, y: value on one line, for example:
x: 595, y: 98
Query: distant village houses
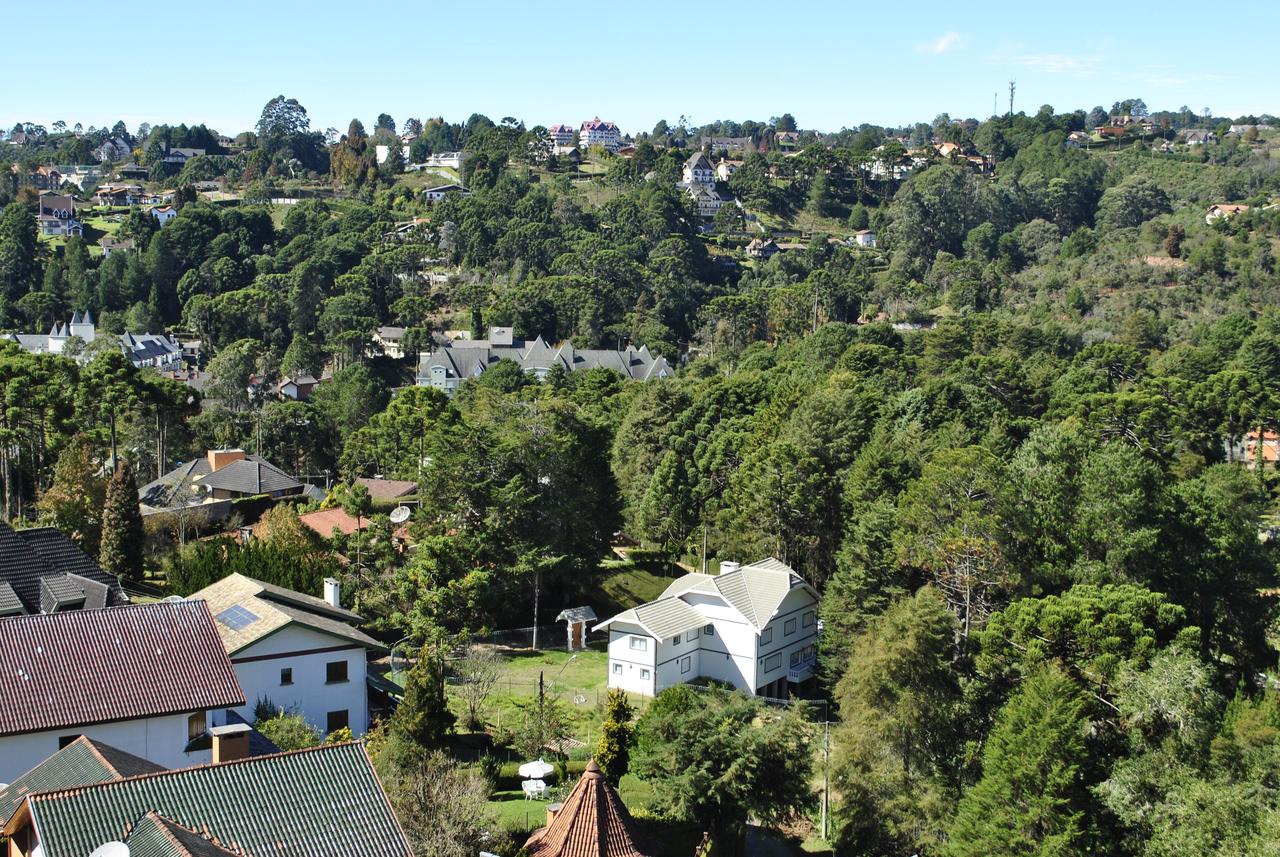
x: 144, y: 350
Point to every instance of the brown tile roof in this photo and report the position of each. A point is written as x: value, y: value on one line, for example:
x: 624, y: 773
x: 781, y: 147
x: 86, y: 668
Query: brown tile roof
x: 592, y: 823
x: 388, y: 489
x: 325, y: 521
x: 81, y: 667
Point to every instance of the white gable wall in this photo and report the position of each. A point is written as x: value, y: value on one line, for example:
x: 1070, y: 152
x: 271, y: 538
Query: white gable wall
x: 307, y: 653
x: 728, y: 653
x: 627, y: 665
x: 776, y: 653
x: 158, y: 739
x: 679, y: 662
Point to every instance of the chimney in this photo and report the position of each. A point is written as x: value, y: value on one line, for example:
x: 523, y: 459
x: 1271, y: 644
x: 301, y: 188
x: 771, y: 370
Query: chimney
x: 728, y: 566
x: 553, y: 809
x: 220, y: 458
x: 333, y: 591
x: 230, y: 742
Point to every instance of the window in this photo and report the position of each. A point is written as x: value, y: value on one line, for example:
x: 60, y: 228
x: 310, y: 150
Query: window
x: 693, y: 635
x: 65, y: 740
x: 617, y: 669
x: 675, y: 641
x: 335, y: 672
x: 789, y: 628
x: 639, y: 644
x: 195, y: 725
x: 336, y: 720
x: 644, y: 675
x: 773, y: 662
x: 286, y: 676
x: 709, y: 630
x: 766, y: 636
x: 808, y: 618
x: 686, y: 664
x: 795, y: 658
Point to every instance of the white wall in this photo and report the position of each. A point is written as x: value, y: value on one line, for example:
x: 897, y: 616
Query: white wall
x: 728, y: 655
x: 631, y: 660
x: 797, y: 603
x: 158, y: 739
x: 258, y: 669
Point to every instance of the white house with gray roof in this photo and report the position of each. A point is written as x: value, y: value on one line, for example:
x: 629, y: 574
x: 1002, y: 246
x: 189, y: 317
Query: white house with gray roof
x: 751, y: 626
x: 456, y: 361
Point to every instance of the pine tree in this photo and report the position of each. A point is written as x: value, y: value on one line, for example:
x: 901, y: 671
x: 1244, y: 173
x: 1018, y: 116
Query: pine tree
x: 613, y: 753
x: 1030, y: 800
x: 74, y: 501
x: 424, y: 716
x: 122, y: 536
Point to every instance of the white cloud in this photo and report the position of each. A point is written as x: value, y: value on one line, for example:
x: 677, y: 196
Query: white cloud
x: 945, y: 43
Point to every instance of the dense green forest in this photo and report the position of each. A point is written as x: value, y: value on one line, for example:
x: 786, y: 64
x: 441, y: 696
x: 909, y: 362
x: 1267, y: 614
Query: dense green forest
x: 999, y: 444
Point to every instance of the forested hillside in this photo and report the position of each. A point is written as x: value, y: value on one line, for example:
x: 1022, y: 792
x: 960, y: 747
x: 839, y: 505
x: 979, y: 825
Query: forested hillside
x: 1008, y: 445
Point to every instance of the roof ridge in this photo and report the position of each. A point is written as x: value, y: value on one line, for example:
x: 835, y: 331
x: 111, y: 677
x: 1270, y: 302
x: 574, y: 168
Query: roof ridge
x: 56, y: 793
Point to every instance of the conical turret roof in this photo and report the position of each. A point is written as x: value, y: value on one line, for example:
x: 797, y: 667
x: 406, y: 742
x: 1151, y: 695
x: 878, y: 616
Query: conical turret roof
x: 592, y: 823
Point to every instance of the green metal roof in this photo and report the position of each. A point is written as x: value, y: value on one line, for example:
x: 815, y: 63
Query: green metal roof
x: 320, y: 801
x: 82, y: 762
x: 156, y: 836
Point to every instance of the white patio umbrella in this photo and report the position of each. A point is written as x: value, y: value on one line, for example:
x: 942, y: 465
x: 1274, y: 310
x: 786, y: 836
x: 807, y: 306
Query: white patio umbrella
x: 536, y: 770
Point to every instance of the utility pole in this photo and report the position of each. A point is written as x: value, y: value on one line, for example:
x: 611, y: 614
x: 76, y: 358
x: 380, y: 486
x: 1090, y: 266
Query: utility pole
x: 1013, y: 84
x: 826, y: 783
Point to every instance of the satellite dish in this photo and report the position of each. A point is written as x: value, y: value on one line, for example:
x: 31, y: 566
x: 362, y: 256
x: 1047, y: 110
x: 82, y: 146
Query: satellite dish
x: 400, y: 514
x: 111, y: 849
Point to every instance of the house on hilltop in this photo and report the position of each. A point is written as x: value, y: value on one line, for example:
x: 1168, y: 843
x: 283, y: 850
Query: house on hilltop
x: 597, y: 132
x: 42, y: 571
x: 303, y: 653
x: 57, y: 215
x: 1223, y: 211
x: 753, y: 626
x: 698, y: 170
x: 144, y: 678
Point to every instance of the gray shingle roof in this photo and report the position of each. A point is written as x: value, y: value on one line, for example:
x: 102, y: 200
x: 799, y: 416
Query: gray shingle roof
x: 28, y: 557
x: 468, y: 359
x: 322, y: 801
x: 756, y: 591
x: 663, y: 618
x: 250, y: 477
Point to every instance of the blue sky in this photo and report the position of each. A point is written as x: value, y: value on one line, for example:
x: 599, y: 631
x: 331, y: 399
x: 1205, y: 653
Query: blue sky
x: 831, y: 64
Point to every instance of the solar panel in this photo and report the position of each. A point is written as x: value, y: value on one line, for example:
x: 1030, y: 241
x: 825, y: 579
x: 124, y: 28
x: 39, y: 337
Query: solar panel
x: 237, y: 617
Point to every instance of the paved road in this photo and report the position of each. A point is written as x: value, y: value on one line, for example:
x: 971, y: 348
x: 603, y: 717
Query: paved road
x: 761, y: 844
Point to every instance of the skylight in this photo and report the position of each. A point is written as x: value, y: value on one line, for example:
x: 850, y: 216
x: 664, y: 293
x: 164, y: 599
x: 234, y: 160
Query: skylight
x: 236, y: 617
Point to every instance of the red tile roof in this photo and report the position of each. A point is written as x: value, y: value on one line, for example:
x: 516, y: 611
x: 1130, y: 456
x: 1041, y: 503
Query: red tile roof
x: 592, y: 823
x: 81, y: 667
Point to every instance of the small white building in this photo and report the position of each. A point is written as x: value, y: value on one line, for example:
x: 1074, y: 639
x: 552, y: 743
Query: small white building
x: 300, y: 652
x: 864, y: 238
x: 144, y: 678
x: 435, y: 194
x: 754, y: 627
x: 164, y: 213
